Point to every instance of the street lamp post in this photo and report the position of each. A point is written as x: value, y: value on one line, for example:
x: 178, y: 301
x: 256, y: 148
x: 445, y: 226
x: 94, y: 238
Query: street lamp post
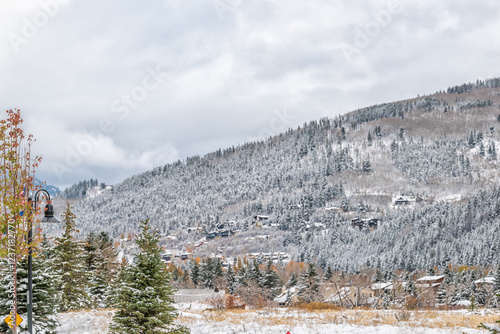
x: 48, y: 217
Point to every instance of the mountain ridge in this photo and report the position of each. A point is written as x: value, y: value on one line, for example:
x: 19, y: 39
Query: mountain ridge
x: 435, y: 147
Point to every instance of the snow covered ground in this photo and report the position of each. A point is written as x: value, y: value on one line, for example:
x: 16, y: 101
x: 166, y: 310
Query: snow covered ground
x: 280, y: 321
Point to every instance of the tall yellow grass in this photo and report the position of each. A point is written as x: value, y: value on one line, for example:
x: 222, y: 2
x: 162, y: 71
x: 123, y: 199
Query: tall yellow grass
x: 360, y: 317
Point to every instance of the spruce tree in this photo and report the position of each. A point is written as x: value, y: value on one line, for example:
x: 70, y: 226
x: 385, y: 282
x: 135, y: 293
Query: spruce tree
x: 145, y: 296
x: 270, y: 280
x: 100, y: 259
x: 45, y: 295
x: 69, y: 263
x: 292, y: 281
x: 195, y: 273
x: 496, y: 286
x: 111, y: 297
x: 231, y: 280
x: 328, y: 274
x: 309, y: 289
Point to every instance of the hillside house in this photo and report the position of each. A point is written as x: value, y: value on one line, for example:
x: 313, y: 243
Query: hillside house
x: 287, y: 297
x: 194, y: 229
x: 401, y: 201
x: 333, y: 209
x: 487, y: 282
x: 260, y: 218
x: 211, y: 235
x: 195, y: 295
x: 379, y: 288
x: 168, y: 257
x: 369, y: 223
x: 349, y: 296
x: 185, y: 256
x: 427, y: 282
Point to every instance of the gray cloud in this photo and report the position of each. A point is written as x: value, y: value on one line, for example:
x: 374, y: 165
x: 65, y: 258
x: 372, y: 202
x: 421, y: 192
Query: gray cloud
x: 129, y: 85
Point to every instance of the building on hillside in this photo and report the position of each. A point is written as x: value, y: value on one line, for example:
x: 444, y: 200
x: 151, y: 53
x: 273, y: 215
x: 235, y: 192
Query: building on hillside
x: 349, y: 296
x: 287, y: 297
x: 260, y: 218
x: 195, y: 295
x: 487, y: 282
x: 211, y: 235
x: 427, y: 282
x: 401, y: 201
x: 333, y: 209
x: 194, y: 229
x: 168, y: 257
x: 369, y: 223
x: 185, y: 256
x: 379, y: 288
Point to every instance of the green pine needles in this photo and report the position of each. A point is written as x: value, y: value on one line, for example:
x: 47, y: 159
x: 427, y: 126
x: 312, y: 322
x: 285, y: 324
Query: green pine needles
x: 145, y: 294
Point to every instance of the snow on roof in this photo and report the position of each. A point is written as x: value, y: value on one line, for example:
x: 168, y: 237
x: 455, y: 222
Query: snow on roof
x: 381, y: 285
x: 430, y: 278
x: 283, y: 297
x: 487, y: 280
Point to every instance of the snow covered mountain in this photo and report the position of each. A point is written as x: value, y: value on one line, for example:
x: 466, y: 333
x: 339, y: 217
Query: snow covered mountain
x: 409, y: 184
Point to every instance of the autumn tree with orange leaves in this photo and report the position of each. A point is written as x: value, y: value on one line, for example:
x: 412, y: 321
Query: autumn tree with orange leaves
x: 17, y: 175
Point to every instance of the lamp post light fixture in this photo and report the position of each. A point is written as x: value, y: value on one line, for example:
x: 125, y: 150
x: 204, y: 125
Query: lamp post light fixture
x: 48, y: 217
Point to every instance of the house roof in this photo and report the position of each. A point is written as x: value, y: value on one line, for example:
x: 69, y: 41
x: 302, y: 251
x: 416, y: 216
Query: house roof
x: 485, y: 280
x: 430, y: 278
x: 381, y: 285
x: 293, y: 291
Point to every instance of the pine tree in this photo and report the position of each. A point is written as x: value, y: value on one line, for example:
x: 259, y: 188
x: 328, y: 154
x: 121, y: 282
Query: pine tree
x: 69, y: 263
x: 496, y: 287
x: 218, y: 276
x: 328, y: 274
x: 309, y: 289
x: 207, y: 273
x: 195, y: 273
x: 269, y: 280
x: 231, y: 280
x: 101, y: 264
x: 45, y: 295
x: 145, y: 296
x: 111, y: 297
x: 292, y: 281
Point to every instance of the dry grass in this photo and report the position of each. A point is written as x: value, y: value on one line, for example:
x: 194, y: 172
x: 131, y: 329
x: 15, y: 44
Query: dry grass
x: 315, y: 314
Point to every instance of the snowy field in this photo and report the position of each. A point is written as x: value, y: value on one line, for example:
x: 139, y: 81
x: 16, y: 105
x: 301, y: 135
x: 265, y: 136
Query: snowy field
x: 200, y: 320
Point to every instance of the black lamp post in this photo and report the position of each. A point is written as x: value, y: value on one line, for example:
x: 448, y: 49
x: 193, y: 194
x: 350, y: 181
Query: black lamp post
x: 48, y: 217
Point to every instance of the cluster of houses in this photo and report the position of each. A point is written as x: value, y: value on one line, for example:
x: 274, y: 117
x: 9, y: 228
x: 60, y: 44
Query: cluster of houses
x: 353, y: 296
x: 223, y: 230
x: 275, y: 257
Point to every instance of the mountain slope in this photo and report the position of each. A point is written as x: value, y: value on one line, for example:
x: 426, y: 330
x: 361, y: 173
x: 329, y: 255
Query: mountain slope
x: 433, y: 148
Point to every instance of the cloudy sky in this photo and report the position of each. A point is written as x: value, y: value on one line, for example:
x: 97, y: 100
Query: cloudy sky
x: 113, y: 88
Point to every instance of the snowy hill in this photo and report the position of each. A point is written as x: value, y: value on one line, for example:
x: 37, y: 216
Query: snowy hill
x: 438, y: 151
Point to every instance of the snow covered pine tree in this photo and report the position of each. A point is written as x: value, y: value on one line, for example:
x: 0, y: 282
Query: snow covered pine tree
x: 145, y: 295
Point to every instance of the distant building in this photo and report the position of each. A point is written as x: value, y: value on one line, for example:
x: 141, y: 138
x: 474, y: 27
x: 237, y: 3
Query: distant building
x: 260, y: 218
x: 380, y: 287
x: 401, y: 201
x: 486, y: 282
x: 211, y: 235
x: 349, y: 296
x: 427, y: 282
x: 194, y: 295
x: 287, y: 297
x: 370, y: 223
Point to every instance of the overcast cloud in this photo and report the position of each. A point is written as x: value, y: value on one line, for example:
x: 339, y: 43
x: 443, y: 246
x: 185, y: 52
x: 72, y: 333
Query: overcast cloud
x: 113, y: 88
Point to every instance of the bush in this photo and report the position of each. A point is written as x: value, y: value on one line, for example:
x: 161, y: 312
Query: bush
x: 217, y: 302
x: 234, y: 302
